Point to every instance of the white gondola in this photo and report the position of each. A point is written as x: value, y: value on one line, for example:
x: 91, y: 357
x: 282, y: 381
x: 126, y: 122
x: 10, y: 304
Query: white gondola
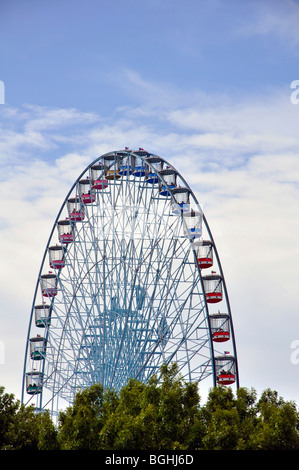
x: 86, y: 194
x: 126, y: 168
x: 220, y: 327
x: 213, y: 288
x: 42, y: 315
x: 37, y: 348
x: 193, y: 220
x: 204, y: 253
x: 169, y: 181
x: 151, y: 175
x: 34, y: 382
x: 112, y: 167
x: 225, y: 369
x: 75, y: 209
x: 65, y: 231
x: 98, y: 181
x: 182, y: 203
x: 139, y: 167
x: 49, y: 285
x: 56, y: 257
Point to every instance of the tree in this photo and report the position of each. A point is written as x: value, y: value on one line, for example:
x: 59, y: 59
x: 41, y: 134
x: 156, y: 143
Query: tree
x: 160, y: 415
x: 221, y: 420
x: 167, y: 415
x: 80, y: 424
x: 154, y: 416
x: 29, y: 430
x: 277, y: 424
x: 8, y: 409
x: 21, y: 428
x: 238, y: 423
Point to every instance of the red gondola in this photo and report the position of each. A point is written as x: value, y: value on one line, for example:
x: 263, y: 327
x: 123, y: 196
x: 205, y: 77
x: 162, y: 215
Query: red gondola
x: 100, y: 184
x: 86, y: 196
x: 226, y: 378
x: 97, y: 180
x: 220, y: 327
x: 49, y: 285
x: 226, y: 369
x: 65, y: 231
x: 213, y: 288
x: 76, y: 211
x: 204, y: 253
x: 56, y: 257
x: 221, y: 336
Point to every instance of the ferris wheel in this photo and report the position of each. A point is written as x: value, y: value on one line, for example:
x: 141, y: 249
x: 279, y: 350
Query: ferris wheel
x: 130, y: 280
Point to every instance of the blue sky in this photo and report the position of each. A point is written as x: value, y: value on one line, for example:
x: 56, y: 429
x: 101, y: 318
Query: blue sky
x: 75, y: 53
x: 204, y: 84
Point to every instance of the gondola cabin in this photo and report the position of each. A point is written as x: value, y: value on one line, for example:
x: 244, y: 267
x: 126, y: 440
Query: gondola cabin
x: 225, y: 370
x: 42, y: 315
x: 126, y: 166
x: 98, y: 181
x: 182, y: 203
x: 34, y: 382
x: 112, y: 174
x: 37, y: 348
x: 112, y: 167
x: 154, y: 167
x: 76, y: 211
x: 226, y: 378
x: 85, y: 192
x: 204, y: 253
x: 193, y: 224
x: 65, y: 231
x: 213, y: 288
x: 48, y: 285
x: 221, y: 336
x: 139, y: 166
x: 169, y: 181
x: 56, y: 257
x: 220, y: 327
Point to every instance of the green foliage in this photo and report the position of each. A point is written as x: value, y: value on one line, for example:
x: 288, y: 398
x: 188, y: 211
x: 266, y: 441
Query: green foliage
x: 278, y: 424
x: 8, y: 409
x: 149, y: 416
x: 23, y: 429
x: 157, y: 415
x: 229, y: 421
x: 80, y: 424
x: 241, y: 423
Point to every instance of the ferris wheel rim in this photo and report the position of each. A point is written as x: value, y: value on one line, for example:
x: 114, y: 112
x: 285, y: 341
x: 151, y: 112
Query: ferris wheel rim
x: 87, y: 169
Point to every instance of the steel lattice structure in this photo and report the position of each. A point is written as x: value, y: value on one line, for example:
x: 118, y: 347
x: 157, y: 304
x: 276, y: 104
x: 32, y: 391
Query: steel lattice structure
x: 125, y: 285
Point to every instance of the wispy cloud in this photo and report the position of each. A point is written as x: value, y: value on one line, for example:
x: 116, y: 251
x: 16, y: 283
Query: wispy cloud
x: 278, y: 18
x: 32, y: 131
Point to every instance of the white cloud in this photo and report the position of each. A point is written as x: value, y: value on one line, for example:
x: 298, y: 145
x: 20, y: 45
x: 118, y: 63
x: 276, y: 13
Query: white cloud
x: 47, y: 119
x: 279, y: 18
x: 32, y: 131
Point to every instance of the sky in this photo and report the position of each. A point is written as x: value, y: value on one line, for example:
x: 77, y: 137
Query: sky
x: 208, y: 85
